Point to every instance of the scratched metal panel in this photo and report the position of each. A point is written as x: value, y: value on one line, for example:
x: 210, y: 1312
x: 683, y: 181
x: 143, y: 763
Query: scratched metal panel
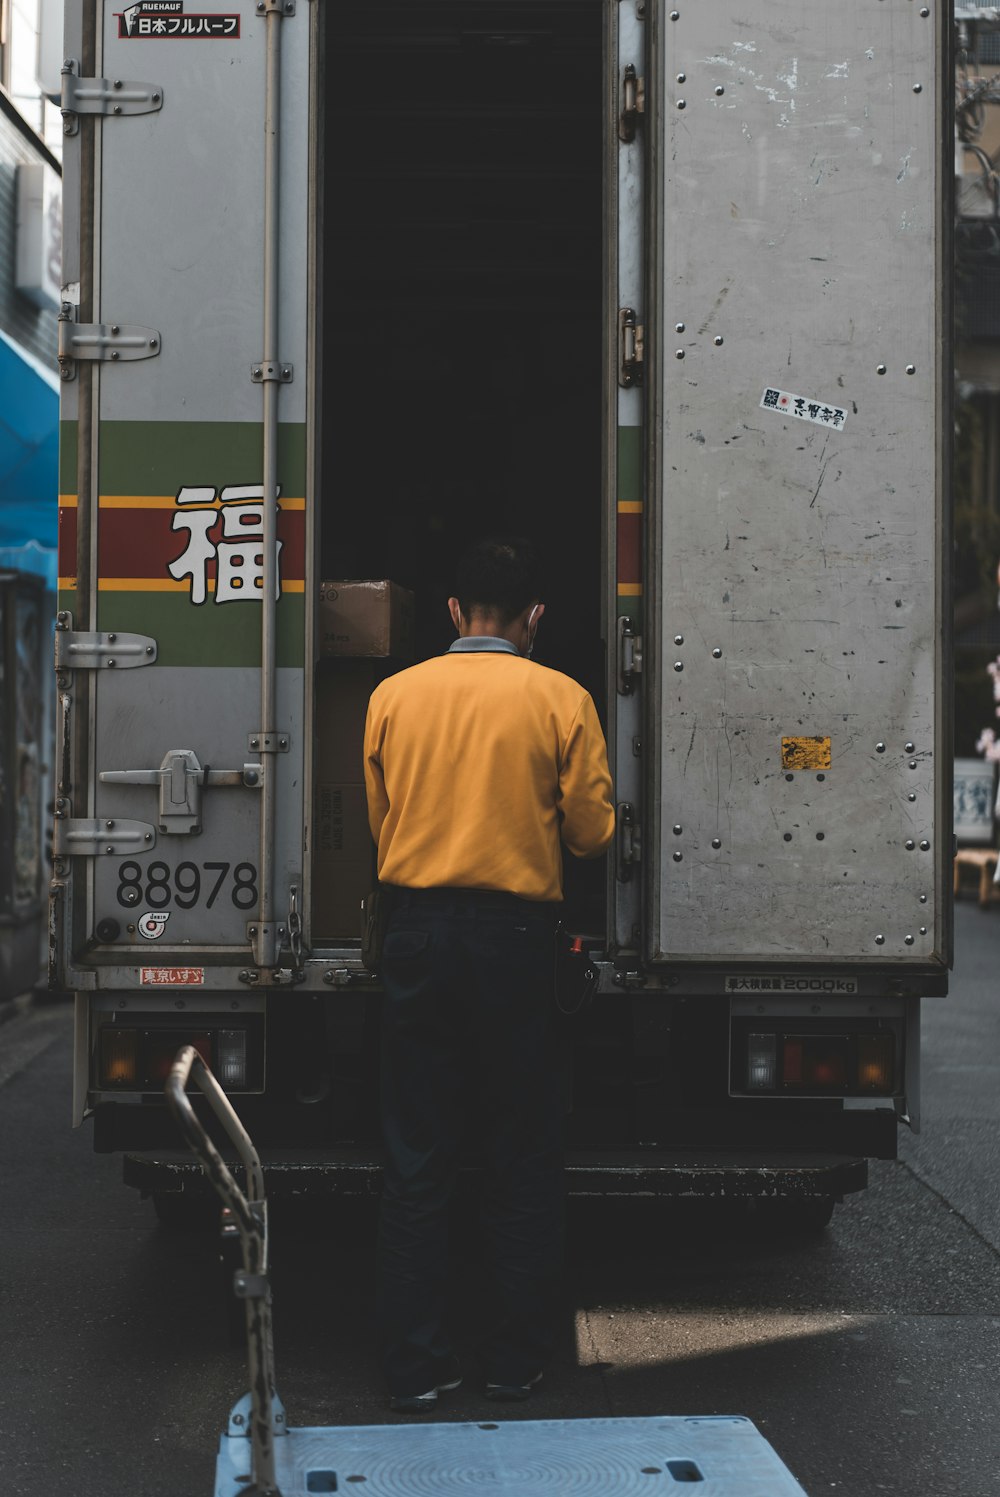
x: 801, y: 743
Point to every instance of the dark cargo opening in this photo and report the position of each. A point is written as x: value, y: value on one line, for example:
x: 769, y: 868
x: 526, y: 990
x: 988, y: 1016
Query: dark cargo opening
x: 461, y: 345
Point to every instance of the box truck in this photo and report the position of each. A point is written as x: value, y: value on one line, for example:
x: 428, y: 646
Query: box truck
x: 665, y: 287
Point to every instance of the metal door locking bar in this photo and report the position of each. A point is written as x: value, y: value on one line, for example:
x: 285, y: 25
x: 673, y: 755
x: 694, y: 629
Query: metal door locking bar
x: 181, y: 780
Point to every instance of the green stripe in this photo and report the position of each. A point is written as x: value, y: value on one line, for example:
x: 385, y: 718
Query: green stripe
x: 629, y: 464
x: 160, y: 457
x: 214, y: 634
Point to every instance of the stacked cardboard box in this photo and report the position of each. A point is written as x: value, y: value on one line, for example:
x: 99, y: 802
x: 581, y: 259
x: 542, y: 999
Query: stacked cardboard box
x: 365, y: 620
x: 366, y: 632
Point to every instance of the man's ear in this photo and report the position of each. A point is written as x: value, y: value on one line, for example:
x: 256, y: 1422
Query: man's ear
x: 455, y: 609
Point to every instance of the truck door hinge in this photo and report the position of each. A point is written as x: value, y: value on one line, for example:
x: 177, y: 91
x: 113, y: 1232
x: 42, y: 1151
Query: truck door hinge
x: 629, y: 841
x: 181, y: 779
x: 76, y: 650
x: 633, y: 104
x: 631, y: 348
x: 89, y: 837
x: 106, y: 342
x: 629, y: 656
x: 104, y: 96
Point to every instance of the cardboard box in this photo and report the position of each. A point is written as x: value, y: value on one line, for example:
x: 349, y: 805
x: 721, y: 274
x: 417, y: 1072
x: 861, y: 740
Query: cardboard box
x: 343, y: 860
x: 342, y: 691
x: 343, y: 854
x: 364, y: 620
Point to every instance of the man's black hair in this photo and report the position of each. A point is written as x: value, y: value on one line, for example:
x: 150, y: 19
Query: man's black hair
x: 497, y: 575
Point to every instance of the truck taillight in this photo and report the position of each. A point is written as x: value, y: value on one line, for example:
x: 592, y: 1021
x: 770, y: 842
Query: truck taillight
x: 815, y: 1062
x: 139, y: 1060
x: 876, y: 1055
x: 761, y: 1062
x: 119, y: 1058
x: 231, y: 1057
x: 159, y: 1051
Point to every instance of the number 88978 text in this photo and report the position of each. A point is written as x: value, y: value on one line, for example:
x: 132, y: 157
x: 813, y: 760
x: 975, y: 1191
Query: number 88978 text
x: 183, y: 886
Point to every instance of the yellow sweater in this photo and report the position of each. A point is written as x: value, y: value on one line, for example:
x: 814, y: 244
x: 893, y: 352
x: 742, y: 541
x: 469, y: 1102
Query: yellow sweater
x: 475, y: 764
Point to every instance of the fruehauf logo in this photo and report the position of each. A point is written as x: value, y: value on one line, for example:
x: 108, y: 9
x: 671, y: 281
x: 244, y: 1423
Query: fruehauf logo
x: 131, y: 13
x: 153, y: 923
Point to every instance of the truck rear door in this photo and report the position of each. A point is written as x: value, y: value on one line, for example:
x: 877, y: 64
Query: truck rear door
x: 796, y: 736
x: 164, y: 876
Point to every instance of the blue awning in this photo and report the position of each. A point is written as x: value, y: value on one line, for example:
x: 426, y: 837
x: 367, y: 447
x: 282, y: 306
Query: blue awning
x: 29, y: 462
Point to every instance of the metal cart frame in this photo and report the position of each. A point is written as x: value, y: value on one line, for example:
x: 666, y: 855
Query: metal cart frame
x: 259, y: 1456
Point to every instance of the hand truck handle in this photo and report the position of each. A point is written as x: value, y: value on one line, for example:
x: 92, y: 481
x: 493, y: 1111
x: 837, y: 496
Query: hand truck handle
x: 250, y: 1217
x: 188, y: 1065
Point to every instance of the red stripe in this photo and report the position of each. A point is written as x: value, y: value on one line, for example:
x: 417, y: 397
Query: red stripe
x: 67, y: 540
x: 141, y: 543
x: 630, y: 547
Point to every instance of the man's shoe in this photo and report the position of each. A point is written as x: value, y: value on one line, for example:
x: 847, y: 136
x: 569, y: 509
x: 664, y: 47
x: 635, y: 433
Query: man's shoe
x: 423, y: 1403
x: 512, y: 1392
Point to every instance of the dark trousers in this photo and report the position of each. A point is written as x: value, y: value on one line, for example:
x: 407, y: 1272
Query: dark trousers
x: 469, y: 1057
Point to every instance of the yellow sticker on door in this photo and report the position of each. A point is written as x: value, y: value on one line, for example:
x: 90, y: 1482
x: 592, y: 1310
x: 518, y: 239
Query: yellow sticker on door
x: 805, y: 753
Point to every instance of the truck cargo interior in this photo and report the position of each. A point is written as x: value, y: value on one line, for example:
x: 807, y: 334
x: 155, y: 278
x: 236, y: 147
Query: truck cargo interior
x: 461, y: 348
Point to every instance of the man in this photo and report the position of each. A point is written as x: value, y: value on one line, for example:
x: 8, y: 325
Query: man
x: 477, y: 764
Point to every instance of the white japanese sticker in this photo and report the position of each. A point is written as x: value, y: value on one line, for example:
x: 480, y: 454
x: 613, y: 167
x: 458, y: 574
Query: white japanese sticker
x: 787, y: 404
x: 152, y: 924
x: 791, y: 984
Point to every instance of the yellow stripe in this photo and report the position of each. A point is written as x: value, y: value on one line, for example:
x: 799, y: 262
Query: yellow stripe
x: 630, y: 589
x: 67, y: 584
x: 67, y: 501
x: 164, y: 501
x: 169, y: 585
x: 630, y: 506
x: 145, y: 585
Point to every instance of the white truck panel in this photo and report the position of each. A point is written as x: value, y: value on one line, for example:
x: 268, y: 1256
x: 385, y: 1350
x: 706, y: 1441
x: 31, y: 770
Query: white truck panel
x: 182, y: 208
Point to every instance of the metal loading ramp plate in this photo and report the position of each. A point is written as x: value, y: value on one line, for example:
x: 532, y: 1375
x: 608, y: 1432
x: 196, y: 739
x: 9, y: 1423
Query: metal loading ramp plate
x: 722, y: 1456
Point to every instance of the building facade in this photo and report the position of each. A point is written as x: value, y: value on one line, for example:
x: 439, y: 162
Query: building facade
x: 29, y: 305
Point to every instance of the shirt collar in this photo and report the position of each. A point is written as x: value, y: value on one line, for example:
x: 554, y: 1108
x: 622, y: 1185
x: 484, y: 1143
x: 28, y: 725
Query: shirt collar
x: 484, y: 643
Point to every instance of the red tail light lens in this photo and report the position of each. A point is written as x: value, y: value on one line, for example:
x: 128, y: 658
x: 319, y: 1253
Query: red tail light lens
x: 819, y: 1062
x: 159, y: 1051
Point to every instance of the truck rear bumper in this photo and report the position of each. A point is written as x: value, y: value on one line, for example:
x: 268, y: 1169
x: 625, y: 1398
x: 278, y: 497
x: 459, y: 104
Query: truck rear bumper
x: 709, y: 1174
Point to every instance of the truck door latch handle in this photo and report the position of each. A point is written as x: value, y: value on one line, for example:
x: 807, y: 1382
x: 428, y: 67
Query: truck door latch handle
x: 181, y: 780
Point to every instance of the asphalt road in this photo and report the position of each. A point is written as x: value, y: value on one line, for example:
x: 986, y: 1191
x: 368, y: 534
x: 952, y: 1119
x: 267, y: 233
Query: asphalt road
x: 869, y: 1357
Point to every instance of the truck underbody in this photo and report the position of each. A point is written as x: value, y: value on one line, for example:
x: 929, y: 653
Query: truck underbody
x: 647, y: 1112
